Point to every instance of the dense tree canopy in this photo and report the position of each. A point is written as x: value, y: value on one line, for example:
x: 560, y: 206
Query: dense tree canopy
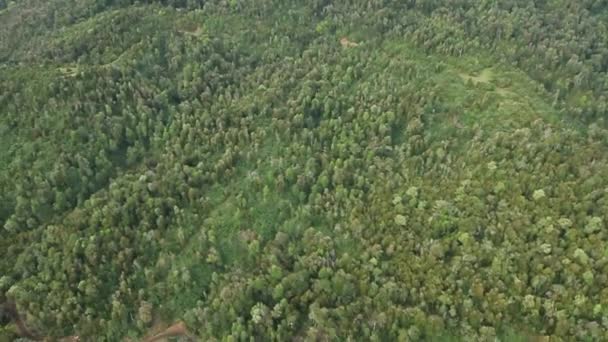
x: 286, y: 170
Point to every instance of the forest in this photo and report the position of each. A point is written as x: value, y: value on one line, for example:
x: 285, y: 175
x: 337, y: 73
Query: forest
x: 282, y: 170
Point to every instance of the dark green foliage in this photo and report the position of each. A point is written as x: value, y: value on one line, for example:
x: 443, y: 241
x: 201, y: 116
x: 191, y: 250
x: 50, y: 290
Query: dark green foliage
x: 279, y: 170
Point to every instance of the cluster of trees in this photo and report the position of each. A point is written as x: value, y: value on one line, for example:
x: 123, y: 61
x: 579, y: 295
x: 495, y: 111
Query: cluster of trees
x: 232, y: 165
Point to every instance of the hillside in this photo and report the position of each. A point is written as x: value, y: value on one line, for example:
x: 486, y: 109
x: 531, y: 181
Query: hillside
x: 288, y: 170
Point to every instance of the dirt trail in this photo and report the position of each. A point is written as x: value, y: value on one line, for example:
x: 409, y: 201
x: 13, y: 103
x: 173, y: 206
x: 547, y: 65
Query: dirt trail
x: 198, y: 32
x: 347, y: 43
x: 176, y: 330
x: 9, y: 310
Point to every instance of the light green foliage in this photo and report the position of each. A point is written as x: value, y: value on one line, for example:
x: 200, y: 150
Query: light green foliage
x: 594, y: 225
x: 588, y: 277
x: 581, y: 256
x: 545, y: 248
x: 538, y: 194
x: 401, y: 220
x: 288, y: 170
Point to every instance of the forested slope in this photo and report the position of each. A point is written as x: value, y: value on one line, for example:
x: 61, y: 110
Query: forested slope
x: 281, y: 170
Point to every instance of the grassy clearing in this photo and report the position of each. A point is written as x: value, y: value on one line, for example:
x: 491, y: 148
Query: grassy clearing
x: 476, y: 91
x: 486, y: 76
